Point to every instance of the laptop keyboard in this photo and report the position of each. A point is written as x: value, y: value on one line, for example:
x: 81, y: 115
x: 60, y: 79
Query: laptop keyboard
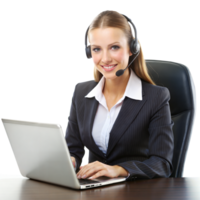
x: 87, y: 181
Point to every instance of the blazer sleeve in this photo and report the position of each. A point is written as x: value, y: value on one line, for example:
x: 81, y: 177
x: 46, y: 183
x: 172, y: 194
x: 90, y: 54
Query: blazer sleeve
x: 161, y: 143
x: 72, y: 136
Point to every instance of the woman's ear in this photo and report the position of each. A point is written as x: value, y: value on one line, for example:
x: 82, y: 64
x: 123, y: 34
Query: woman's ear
x: 130, y: 54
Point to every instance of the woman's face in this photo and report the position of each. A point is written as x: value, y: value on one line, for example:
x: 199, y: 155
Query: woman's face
x: 110, y: 51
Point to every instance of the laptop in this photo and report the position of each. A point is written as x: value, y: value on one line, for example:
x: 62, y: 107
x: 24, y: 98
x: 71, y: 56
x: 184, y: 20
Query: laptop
x: 42, y: 154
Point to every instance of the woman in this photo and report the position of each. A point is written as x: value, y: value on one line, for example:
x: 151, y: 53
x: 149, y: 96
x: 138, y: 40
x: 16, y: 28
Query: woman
x: 124, y: 121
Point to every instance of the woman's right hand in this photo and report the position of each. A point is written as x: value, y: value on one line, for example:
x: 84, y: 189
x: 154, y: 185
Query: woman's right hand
x: 73, y: 161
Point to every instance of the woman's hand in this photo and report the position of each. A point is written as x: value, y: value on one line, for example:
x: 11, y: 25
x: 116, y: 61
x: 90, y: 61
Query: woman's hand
x: 96, y: 169
x: 73, y: 161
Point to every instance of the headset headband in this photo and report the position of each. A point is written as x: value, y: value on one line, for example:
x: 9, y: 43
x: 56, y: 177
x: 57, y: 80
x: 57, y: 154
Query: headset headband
x: 134, y: 45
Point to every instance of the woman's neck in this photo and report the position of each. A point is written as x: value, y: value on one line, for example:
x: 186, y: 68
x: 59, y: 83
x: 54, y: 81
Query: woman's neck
x: 116, y: 87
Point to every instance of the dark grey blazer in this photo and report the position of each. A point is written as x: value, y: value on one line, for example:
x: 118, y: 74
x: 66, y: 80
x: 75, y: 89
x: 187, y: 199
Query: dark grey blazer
x: 141, y: 139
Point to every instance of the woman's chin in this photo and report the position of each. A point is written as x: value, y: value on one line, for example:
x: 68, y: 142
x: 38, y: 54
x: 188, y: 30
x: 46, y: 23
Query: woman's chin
x: 110, y: 76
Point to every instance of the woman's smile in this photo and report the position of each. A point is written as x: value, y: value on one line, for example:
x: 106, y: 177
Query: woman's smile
x: 108, y: 68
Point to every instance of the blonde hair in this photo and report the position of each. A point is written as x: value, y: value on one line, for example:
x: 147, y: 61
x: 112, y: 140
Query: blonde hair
x: 114, y: 19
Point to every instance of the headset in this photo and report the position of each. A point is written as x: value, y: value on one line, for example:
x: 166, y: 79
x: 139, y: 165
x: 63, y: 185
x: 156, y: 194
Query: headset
x: 134, y: 47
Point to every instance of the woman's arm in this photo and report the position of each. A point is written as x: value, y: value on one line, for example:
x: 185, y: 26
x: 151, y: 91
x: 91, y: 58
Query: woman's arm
x: 161, y: 144
x: 72, y: 136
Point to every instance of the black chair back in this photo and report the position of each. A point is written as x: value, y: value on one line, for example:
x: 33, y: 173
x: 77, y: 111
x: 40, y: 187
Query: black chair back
x: 177, y: 78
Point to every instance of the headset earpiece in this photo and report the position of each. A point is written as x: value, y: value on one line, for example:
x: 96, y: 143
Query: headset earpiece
x: 134, y: 47
x: 88, y: 52
x: 87, y: 48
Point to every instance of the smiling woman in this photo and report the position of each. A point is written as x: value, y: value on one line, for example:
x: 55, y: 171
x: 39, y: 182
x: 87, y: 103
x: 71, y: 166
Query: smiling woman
x: 107, y: 56
x: 124, y: 120
x: 112, y: 29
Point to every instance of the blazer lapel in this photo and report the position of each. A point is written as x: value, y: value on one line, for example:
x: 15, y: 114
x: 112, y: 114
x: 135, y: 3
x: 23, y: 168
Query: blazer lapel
x: 129, y: 110
x: 91, y: 105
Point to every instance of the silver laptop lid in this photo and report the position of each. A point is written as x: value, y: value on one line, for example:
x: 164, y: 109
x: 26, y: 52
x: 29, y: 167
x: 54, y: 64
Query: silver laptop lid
x: 41, y: 152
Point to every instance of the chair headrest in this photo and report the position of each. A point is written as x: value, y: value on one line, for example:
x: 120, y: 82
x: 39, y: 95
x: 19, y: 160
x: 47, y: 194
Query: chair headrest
x: 177, y: 78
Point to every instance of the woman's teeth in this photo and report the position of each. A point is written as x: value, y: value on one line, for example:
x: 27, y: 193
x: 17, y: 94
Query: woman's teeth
x: 109, y: 66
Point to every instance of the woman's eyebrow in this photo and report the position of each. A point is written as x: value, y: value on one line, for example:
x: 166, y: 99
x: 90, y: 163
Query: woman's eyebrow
x: 108, y: 45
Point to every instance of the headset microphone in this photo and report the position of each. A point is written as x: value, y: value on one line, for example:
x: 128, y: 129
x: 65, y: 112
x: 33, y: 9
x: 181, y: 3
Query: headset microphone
x: 121, y: 71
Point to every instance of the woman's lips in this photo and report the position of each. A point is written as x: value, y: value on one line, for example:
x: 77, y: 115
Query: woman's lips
x: 108, y: 69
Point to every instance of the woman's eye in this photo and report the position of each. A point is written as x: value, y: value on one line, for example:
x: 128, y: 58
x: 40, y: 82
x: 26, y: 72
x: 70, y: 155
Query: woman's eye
x: 114, y: 47
x: 95, y: 49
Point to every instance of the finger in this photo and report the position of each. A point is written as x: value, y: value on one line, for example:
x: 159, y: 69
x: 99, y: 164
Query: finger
x: 98, y: 174
x: 81, y: 169
x: 74, y: 163
x: 85, y: 168
x: 89, y: 171
x: 81, y: 173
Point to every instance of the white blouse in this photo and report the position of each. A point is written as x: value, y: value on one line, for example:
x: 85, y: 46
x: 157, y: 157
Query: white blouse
x: 104, y: 119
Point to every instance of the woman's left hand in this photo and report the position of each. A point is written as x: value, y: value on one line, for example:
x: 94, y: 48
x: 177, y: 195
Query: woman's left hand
x: 96, y: 169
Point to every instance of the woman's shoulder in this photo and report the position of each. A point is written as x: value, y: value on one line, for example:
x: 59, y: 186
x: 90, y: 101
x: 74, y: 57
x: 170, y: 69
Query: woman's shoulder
x: 154, y: 90
x: 87, y: 85
x: 83, y: 88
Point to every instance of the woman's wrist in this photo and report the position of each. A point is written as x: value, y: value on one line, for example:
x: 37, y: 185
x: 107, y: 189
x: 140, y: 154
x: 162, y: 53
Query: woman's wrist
x: 121, y: 170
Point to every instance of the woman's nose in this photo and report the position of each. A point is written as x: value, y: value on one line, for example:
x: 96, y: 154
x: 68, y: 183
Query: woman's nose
x: 106, y: 58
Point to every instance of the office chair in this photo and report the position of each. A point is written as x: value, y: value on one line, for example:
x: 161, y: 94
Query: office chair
x: 177, y: 78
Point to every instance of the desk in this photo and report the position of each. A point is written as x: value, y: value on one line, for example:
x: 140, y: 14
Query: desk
x: 155, y: 189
